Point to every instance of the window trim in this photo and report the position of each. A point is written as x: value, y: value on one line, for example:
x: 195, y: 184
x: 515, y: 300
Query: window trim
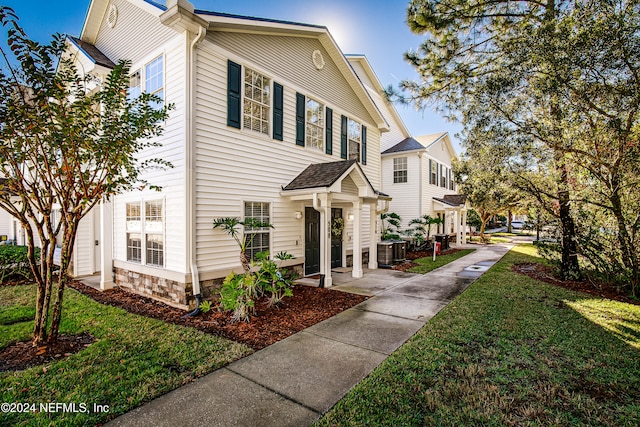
x: 243, y: 97
x: 264, y: 231
x: 142, y: 69
x: 322, y: 128
x: 398, y: 176
x: 349, y: 140
x: 142, y: 231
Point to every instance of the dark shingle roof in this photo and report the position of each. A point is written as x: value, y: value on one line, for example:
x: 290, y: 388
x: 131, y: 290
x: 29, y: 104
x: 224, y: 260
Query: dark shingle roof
x: 92, y: 52
x: 408, y: 144
x: 320, y: 175
x: 453, y: 199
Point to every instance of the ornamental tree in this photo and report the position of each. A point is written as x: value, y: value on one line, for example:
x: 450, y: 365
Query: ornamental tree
x: 67, y: 141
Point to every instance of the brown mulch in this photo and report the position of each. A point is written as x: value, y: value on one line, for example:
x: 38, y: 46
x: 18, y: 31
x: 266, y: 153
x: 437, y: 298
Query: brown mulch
x: 413, y: 255
x: 548, y: 274
x: 305, y: 308
x: 23, y: 355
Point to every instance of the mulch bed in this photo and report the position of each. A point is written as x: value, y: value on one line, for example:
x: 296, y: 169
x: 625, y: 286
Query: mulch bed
x: 413, y: 255
x: 548, y: 274
x: 305, y: 308
x: 24, y: 355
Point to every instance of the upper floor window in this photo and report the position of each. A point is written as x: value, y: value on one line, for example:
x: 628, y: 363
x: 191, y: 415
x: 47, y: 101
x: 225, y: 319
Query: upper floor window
x: 399, y: 170
x: 433, y: 172
x: 152, y: 81
x: 355, y: 138
x: 314, y: 129
x: 443, y: 176
x: 257, y: 101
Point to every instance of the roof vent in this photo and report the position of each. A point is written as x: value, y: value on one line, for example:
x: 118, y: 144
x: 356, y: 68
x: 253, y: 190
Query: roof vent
x: 112, y: 16
x: 318, y: 59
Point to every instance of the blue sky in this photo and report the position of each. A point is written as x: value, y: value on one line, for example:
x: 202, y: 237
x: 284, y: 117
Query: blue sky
x: 375, y: 28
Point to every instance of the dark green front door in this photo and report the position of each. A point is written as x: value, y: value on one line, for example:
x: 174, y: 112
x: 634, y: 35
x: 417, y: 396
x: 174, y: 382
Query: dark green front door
x: 311, y: 241
x: 336, y: 241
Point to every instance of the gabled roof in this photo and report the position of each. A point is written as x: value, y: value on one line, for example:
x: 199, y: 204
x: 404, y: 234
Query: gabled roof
x: 407, y: 144
x: 184, y: 12
x: 320, y: 175
x: 429, y: 140
x: 453, y: 199
x: 92, y: 52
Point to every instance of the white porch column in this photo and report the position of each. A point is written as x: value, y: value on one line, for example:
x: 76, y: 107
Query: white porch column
x: 456, y: 222
x: 464, y: 227
x: 106, y: 249
x: 357, y: 241
x: 325, y: 239
x: 373, y: 236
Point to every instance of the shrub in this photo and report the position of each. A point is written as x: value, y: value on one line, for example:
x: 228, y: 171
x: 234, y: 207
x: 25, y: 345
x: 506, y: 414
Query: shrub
x: 14, y: 262
x: 239, y: 291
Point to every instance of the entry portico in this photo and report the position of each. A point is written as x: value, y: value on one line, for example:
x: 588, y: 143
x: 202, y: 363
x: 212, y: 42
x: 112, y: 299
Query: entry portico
x: 336, y: 190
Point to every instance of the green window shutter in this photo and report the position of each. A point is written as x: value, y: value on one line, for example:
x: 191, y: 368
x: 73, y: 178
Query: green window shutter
x: 430, y: 170
x: 300, y: 122
x: 329, y: 131
x: 363, y: 153
x: 234, y: 90
x: 278, y: 111
x: 343, y: 138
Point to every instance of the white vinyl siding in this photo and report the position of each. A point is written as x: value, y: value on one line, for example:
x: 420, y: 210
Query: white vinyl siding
x: 286, y: 57
x: 137, y: 33
x: 235, y: 167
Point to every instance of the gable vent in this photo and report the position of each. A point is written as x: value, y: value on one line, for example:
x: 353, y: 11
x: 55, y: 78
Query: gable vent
x: 318, y: 59
x: 112, y: 16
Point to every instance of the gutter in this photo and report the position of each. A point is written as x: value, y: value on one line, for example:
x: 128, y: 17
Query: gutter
x: 191, y: 166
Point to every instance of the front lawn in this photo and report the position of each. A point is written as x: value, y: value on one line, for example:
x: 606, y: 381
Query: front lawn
x: 510, y: 350
x: 427, y: 264
x: 132, y: 360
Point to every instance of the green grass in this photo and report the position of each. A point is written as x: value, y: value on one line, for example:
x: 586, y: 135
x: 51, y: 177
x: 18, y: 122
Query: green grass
x: 427, y: 264
x: 508, y: 351
x: 133, y: 360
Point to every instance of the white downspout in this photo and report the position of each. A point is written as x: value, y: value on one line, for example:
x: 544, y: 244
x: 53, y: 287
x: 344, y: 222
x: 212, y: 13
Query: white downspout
x: 190, y: 166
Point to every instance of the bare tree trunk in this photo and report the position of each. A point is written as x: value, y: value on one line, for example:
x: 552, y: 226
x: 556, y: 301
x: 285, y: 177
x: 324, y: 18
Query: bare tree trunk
x: 65, y: 259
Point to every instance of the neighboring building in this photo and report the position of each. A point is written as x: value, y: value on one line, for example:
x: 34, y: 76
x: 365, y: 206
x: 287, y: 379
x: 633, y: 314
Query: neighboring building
x: 416, y: 172
x: 270, y: 122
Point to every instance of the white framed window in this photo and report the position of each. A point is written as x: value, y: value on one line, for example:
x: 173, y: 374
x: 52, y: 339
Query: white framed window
x: 433, y: 169
x: 314, y: 132
x: 399, y: 170
x: 443, y: 176
x: 354, y: 135
x: 149, y: 79
x: 257, y: 101
x: 145, y: 232
x: 259, y: 211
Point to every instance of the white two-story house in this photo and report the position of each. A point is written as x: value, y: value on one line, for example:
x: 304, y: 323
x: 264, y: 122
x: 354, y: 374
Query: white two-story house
x: 416, y: 171
x: 270, y: 122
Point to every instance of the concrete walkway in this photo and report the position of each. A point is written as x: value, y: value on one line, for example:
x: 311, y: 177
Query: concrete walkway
x: 294, y: 381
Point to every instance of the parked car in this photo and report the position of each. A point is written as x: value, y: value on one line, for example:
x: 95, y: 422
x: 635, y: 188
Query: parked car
x: 517, y: 225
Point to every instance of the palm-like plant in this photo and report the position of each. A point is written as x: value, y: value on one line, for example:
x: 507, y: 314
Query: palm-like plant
x: 238, y: 229
x: 390, y: 226
x: 422, y: 226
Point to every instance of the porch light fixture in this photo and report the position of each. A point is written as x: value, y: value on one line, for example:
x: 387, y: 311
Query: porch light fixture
x: 350, y: 216
x: 298, y: 215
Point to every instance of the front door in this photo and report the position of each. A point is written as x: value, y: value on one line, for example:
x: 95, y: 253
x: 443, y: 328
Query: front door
x: 336, y: 239
x: 311, y: 241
